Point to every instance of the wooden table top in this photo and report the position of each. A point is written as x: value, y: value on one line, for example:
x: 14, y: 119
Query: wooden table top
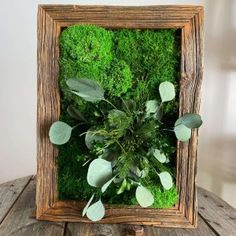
x: 17, y: 209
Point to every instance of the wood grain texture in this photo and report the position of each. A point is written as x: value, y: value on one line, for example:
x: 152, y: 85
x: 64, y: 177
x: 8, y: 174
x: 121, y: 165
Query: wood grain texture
x: 51, y: 20
x: 20, y: 220
x: 9, y: 192
x: 78, y: 229
x: 217, y: 219
x: 217, y: 213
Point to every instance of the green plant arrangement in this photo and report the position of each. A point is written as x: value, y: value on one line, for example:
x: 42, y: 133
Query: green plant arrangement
x: 123, y: 146
x: 119, y: 121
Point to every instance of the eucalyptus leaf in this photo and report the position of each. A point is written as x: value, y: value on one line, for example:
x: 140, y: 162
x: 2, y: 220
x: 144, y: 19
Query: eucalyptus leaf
x: 75, y: 113
x: 99, y: 172
x: 166, y: 180
x: 96, y: 211
x: 60, y: 133
x: 144, y: 196
x: 88, y: 89
x: 107, y: 184
x: 91, y: 138
x: 151, y: 107
x: 144, y: 173
x: 182, y: 133
x: 167, y: 91
x: 135, y: 170
x: 159, y: 156
x: 87, y: 205
x: 190, y: 120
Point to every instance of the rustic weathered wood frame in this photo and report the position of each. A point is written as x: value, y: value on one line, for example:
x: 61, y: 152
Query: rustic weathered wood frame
x: 51, y: 20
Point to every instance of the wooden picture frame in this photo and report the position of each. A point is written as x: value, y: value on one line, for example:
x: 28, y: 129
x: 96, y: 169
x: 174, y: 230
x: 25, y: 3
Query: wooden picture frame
x: 51, y: 20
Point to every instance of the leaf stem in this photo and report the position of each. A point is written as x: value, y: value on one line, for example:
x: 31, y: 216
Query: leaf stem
x: 126, y: 105
x: 160, y: 167
x: 171, y: 130
x: 78, y: 125
x: 111, y: 104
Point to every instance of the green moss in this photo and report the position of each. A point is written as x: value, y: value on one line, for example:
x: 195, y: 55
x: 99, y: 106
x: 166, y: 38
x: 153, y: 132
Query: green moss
x: 85, y: 51
x: 88, y: 48
x: 152, y: 56
x: 127, y: 63
x: 119, y: 78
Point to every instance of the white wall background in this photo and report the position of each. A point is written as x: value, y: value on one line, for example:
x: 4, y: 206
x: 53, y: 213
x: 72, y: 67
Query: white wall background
x: 217, y: 148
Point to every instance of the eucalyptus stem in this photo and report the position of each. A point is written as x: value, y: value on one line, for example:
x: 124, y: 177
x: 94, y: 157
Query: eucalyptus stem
x: 171, y: 130
x: 83, y: 123
x: 160, y: 166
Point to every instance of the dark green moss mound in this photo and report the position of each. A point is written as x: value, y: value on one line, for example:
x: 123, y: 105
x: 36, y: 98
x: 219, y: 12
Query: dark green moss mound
x: 128, y: 64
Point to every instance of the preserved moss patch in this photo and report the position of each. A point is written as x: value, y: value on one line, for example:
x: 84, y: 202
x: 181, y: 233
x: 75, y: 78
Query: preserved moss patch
x: 127, y: 64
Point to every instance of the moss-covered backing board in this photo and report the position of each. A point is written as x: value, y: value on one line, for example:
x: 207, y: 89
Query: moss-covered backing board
x: 126, y: 89
x: 128, y: 64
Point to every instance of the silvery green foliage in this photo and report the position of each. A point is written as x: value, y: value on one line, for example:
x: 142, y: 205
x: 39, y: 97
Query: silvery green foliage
x: 184, y: 125
x: 88, y: 89
x: 87, y: 205
x: 107, y: 184
x: 167, y: 91
x: 190, y: 120
x: 99, y: 172
x: 159, y: 155
x: 109, y: 162
x: 182, y: 132
x: 166, y: 180
x: 96, y: 211
x: 144, y: 196
x: 59, y: 133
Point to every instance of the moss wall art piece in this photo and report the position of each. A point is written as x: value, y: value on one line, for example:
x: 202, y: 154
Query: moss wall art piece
x: 119, y: 117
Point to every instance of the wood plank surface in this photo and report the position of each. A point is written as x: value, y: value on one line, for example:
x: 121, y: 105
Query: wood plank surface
x: 217, y: 213
x: 21, y: 221
x: 216, y: 217
x: 78, y: 229
x: 9, y: 192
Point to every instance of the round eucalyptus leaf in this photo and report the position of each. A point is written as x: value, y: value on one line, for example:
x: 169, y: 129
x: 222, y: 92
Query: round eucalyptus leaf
x: 88, y: 89
x: 190, y: 120
x: 182, y: 133
x: 167, y: 91
x: 91, y: 138
x: 87, y: 205
x: 159, y: 156
x: 151, y: 107
x: 60, y: 133
x: 144, y: 196
x: 107, y: 184
x: 99, y: 172
x: 166, y: 180
x: 96, y: 211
